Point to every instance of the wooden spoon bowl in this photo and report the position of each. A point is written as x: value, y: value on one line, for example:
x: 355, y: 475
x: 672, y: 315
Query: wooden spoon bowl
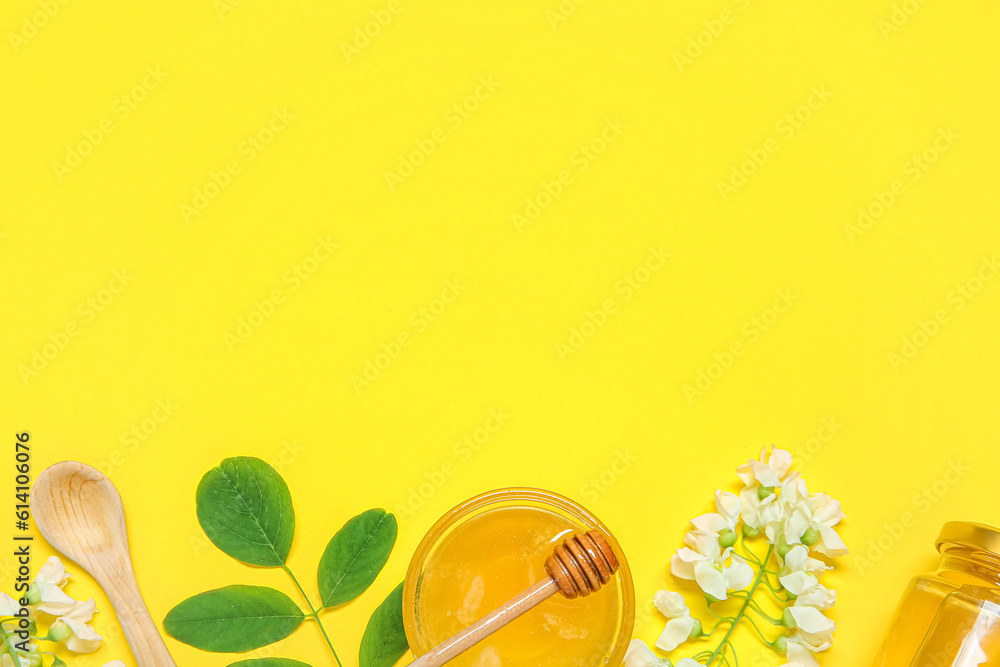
x: 80, y: 512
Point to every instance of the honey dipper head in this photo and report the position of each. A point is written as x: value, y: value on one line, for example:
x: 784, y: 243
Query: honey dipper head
x: 582, y: 564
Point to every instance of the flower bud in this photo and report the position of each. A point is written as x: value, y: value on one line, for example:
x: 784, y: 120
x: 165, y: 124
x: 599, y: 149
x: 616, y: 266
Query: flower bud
x: 59, y: 631
x: 750, y: 531
x: 787, y: 619
x: 696, y: 631
x: 727, y: 538
x: 34, y: 597
x: 780, y: 644
x: 764, y: 491
x: 35, y: 660
x: 783, y: 548
x: 810, y: 537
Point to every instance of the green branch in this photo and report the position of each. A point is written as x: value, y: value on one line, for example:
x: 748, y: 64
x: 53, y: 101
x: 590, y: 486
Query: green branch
x: 314, y: 615
x: 743, y: 611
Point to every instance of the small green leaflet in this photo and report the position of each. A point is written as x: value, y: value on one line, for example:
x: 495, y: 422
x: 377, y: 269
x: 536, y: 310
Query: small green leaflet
x: 234, y: 619
x: 384, y: 642
x: 355, y: 556
x: 245, y: 509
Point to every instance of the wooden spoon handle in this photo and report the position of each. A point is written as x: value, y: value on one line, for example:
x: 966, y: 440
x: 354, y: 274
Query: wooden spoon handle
x: 488, y: 624
x: 144, y: 639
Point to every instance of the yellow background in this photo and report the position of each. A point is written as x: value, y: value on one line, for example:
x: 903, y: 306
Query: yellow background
x: 285, y: 394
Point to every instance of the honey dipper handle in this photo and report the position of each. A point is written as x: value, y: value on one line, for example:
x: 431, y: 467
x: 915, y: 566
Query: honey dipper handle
x: 487, y: 625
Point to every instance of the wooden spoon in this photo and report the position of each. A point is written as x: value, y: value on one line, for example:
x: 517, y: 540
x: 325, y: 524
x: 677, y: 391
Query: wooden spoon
x: 79, y: 511
x: 581, y: 565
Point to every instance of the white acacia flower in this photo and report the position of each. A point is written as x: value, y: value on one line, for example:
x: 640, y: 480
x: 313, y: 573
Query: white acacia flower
x: 8, y: 605
x: 729, y: 507
x: 801, y: 572
x: 715, y: 571
x: 72, y: 628
x: 681, y: 623
x: 814, y: 630
x: 761, y: 478
x: 799, y: 654
x: 768, y: 470
x: 46, y: 594
x: 640, y: 655
x: 812, y: 519
x: 818, y: 596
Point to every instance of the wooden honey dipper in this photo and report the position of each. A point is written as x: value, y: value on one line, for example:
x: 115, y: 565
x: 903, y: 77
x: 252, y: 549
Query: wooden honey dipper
x: 579, y: 566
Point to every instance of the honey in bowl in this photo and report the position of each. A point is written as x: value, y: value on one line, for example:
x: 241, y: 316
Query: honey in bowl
x: 489, y: 550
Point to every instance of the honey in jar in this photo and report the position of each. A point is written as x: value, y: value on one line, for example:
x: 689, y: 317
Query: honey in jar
x: 951, y: 617
x: 492, y: 548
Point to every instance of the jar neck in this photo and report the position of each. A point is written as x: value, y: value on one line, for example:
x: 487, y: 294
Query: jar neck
x: 983, y: 565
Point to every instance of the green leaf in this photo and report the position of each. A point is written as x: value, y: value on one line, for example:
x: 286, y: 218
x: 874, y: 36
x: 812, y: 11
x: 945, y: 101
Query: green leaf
x: 246, y: 510
x: 234, y: 619
x: 269, y: 662
x: 384, y: 642
x: 355, y: 556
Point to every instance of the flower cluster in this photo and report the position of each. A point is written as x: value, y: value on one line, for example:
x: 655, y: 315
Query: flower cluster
x: 71, y: 624
x: 775, y: 505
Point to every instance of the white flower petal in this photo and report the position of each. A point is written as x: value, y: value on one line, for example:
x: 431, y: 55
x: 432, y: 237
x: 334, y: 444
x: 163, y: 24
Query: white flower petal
x: 8, y: 605
x: 780, y: 461
x: 830, y: 543
x: 710, y: 523
x: 711, y: 580
x: 681, y: 568
x: 640, y: 655
x: 739, y: 575
x: 798, y: 582
x: 811, y: 620
x: 52, y: 572
x: 671, y: 604
x: 800, y: 656
x: 675, y: 634
x: 818, y: 596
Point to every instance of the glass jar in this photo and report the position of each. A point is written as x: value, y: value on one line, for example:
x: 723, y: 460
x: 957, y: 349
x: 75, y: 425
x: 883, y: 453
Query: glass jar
x: 951, y: 617
x: 490, y: 548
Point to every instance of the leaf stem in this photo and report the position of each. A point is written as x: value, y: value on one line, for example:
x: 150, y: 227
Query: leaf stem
x: 743, y: 610
x: 314, y: 615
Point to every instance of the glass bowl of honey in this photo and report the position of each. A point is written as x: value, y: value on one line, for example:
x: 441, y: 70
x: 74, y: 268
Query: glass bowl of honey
x: 492, y: 547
